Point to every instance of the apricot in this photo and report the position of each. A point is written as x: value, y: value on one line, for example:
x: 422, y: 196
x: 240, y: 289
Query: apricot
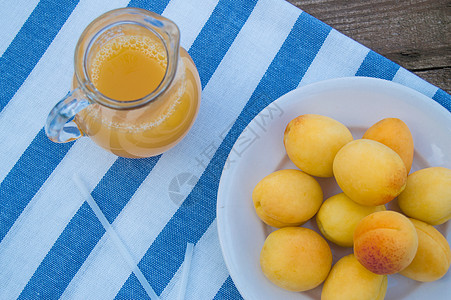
x: 287, y: 198
x: 349, y: 280
x: 311, y: 142
x: 427, y: 196
x: 385, y: 242
x: 395, y: 134
x: 296, y: 258
x: 433, y: 256
x: 369, y: 172
x: 338, y: 216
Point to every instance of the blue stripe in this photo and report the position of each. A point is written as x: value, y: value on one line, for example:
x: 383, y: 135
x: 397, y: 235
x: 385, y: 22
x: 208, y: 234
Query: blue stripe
x: 443, y: 98
x: 375, y: 65
x: 228, y: 291
x: 18, y: 188
x: 84, y: 231
x: 30, y: 44
x: 156, y: 6
x: 136, y: 291
x: 217, y: 35
x: 189, y: 223
x: 120, y: 183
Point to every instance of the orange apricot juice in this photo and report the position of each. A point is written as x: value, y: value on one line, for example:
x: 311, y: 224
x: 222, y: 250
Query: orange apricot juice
x: 130, y: 67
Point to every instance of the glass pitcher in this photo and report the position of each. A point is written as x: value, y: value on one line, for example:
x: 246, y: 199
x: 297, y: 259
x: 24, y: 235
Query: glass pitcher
x: 135, y: 91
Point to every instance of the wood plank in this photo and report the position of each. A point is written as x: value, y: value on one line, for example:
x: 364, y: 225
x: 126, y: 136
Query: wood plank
x: 441, y: 77
x: 415, y: 34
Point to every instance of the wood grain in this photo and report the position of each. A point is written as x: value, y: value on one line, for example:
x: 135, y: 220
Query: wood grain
x: 415, y: 34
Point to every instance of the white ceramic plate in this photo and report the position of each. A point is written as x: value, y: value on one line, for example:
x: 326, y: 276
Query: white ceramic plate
x: 356, y: 102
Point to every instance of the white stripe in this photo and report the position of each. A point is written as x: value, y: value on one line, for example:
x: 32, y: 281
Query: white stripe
x: 42, y: 221
x: 140, y: 222
x: 339, y: 56
x: 49, y: 81
x: 186, y: 270
x: 14, y: 15
x: 207, y: 269
x: 411, y: 80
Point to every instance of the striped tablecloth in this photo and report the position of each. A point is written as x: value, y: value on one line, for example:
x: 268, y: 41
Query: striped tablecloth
x: 52, y: 245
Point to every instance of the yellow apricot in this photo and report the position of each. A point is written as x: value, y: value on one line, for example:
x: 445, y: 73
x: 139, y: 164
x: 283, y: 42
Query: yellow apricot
x: 395, y: 134
x: 311, y: 142
x: 369, y: 172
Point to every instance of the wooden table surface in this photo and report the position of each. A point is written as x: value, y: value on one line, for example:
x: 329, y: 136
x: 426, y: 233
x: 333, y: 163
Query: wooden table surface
x: 415, y: 34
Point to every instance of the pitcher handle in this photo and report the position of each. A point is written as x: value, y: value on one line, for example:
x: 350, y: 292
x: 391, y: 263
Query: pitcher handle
x: 60, y: 127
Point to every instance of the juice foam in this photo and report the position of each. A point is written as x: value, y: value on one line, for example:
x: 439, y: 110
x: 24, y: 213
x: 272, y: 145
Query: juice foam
x: 128, y: 67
